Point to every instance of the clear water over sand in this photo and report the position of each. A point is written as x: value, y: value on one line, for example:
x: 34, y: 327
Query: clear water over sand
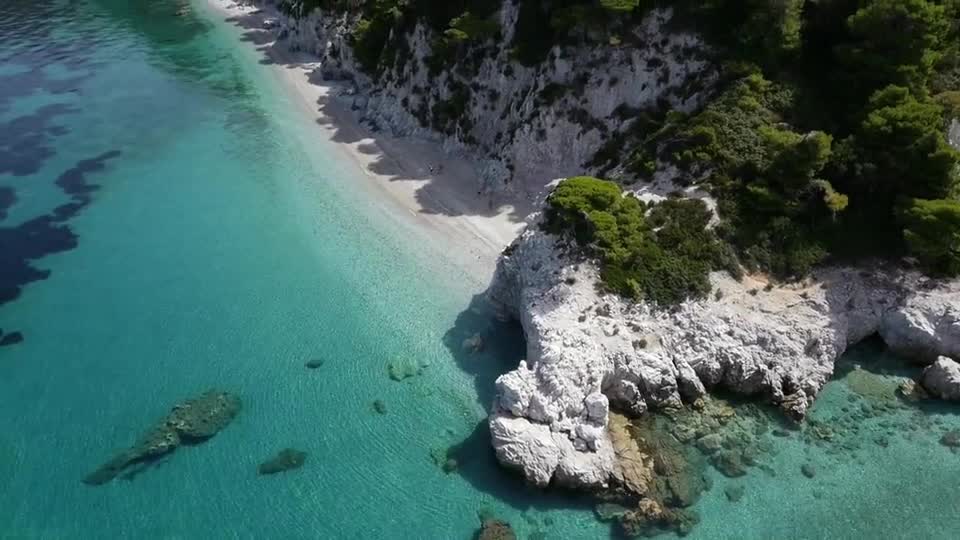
x: 170, y: 224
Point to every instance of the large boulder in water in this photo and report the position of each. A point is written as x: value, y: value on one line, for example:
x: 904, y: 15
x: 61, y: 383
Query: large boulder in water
x: 942, y: 379
x: 190, y: 422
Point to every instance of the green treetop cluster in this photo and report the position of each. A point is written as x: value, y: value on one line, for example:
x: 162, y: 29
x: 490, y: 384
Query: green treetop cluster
x: 827, y: 135
x: 660, y: 253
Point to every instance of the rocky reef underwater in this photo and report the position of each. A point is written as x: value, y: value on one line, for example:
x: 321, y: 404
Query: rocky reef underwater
x: 670, y: 458
x: 190, y: 422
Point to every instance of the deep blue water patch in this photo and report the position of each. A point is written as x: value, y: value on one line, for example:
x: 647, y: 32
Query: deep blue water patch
x: 22, y: 245
x: 27, y: 141
x: 7, y: 199
x: 10, y: 338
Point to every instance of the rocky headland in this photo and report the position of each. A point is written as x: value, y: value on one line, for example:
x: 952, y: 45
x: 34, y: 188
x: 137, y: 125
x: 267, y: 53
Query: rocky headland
x: 191, y: 422
x: 589, y: 351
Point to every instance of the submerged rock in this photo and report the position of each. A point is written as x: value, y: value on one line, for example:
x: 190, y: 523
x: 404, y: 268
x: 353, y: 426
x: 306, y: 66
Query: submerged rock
x: 734, y: 493
x: 286, y: 460
x: 190, y: 422
x: 650, y: 517
x: 910, y: 390
x: 708, y: 444
x: 635, y: 468
x: 402, y: 370
x: 609, y: 511
x: 808, y: 470
x: 380, y: 406
x: 10, y: 339
x: 473, y: 344
x: 942, y: 379
x: 729, y: 463
x: 951, y: 439
x: 876, y: 388
x: 494, y: 529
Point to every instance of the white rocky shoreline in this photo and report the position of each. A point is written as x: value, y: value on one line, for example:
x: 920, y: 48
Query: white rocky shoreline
x: 587, y: 351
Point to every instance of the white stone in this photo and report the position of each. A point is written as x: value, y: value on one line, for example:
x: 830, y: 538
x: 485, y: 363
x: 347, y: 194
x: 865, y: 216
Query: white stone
x: 779, y: 345
x: 597, y: 407
x: 942, y: 379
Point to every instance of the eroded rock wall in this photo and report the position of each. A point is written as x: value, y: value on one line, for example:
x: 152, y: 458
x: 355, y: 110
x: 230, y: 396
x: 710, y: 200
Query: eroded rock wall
x: 523, y: 126
x: 587, y: 350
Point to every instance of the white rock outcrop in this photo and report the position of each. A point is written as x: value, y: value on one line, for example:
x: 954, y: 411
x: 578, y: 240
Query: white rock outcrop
x: 778, y: 344
x: 942, y: 379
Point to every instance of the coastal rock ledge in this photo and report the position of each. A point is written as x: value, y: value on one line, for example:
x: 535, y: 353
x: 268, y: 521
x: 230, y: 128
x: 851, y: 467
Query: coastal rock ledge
x: 588, y: 351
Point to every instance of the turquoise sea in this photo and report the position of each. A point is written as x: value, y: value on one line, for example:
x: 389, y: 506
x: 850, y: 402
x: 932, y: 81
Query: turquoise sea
x: 170, y: 223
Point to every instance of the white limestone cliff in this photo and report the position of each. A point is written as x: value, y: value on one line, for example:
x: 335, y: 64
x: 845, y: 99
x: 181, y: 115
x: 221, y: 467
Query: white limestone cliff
x: 518, y: 137
x: 778, y: 344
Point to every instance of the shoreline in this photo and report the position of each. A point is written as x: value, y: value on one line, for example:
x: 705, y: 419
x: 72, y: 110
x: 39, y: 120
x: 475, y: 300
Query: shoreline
x: 445, y: 207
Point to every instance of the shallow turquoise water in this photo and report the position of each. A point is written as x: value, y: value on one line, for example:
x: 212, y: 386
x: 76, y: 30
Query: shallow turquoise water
x: 877, y: 475
x: 199, y: 234
x: 216, y: 252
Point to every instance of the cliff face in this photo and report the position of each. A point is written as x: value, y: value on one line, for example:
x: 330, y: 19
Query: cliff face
x: 524, y: 126
x: 587, y: 351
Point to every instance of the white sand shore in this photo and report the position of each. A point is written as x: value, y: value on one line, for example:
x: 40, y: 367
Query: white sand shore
x: 444, y: 207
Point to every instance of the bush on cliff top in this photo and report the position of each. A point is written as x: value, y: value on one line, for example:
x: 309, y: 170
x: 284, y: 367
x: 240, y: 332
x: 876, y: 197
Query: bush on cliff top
x: 661, y: 253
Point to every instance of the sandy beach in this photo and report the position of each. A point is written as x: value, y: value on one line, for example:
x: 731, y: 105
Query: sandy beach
x: 432, y: 191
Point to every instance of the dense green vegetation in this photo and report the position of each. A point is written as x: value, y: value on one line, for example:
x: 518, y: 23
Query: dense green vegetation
x: 660, y: 253
x: 823, y: 139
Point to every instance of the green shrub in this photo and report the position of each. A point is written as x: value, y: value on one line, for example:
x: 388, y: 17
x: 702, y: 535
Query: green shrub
x: 663, y: 257
x: 932, y: 233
